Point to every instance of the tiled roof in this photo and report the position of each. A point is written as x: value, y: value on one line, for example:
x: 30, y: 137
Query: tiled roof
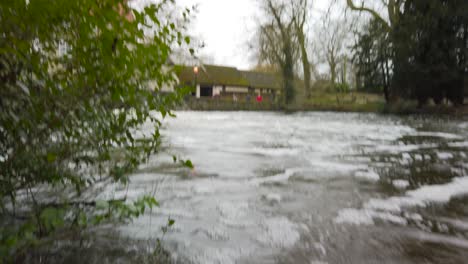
x: 262, y: 80
x: 220, y: 75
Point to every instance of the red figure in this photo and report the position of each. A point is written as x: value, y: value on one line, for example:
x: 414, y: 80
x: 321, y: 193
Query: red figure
x: 259, y: 98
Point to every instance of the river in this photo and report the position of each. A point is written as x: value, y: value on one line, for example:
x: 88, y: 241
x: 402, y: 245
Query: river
x: 308, y: 188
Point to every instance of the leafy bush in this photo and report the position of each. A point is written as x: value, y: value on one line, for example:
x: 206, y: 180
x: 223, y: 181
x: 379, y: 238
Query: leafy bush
x: 74, y: 79
x: 341, y: 87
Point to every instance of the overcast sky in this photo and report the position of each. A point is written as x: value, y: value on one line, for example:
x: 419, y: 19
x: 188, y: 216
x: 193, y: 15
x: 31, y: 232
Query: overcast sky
x: 226, y: 27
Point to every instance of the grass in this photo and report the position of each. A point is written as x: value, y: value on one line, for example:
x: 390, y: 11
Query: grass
x: 326, y: 101
x: 406, y: 107
x: 346, y: 102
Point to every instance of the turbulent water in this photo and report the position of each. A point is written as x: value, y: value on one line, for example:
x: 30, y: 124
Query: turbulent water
x: 308, y: 188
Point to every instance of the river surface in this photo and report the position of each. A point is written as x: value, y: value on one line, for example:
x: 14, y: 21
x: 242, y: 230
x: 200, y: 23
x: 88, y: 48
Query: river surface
x: 308, y: 188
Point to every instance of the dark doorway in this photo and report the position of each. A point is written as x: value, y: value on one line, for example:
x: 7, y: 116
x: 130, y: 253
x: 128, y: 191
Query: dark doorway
x: 206, y: 91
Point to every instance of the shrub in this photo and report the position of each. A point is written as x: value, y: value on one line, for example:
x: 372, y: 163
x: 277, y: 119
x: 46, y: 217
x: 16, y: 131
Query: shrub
x: 74, y: 81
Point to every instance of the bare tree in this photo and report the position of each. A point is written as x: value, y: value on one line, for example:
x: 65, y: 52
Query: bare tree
x: 300, y: 10
x: 332, y: 38
x: 279, y: 34
x: 393, y: 9
x: 282, y: 41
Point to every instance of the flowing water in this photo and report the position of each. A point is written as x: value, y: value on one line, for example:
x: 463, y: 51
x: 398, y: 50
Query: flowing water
x: 308, y: 188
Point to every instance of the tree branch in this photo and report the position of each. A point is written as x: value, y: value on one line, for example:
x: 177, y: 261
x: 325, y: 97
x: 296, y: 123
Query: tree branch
x: 352, y: 6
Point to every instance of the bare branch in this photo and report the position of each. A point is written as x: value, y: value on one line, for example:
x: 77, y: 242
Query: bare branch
x: 374, y: 13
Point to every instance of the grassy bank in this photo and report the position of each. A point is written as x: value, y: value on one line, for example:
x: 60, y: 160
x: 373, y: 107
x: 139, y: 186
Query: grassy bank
x: 343, y: 102
x: 407, y: 107
x: 326, y: 101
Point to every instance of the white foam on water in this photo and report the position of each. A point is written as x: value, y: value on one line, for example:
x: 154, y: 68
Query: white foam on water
x: 208, y: 255
x: 459, y: 224
x: 231, y: 210
x: 278, y: 232
x: 208, y: 186
x: 276, y: 152
x: 440, y: 239
x: 366, y: 217
x: 236, y: 215
x: 396, y: 149
x: 367, y: 175
x: 441, y: 193
x: 421, y: 197
x: 444, y: 155
x: 439, y: 134
x: 462, y: 144
x: 400, y: 184
x: 406, y: 156
x: 217, y: 234
x: 173, y: 212
x: 339, y: 167
x: 272, y: 197
x: 281, y: 177
x: 354, y: 216
x: 413, y: 216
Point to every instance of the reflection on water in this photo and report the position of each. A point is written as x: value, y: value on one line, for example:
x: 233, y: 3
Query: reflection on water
x: 309, y: 188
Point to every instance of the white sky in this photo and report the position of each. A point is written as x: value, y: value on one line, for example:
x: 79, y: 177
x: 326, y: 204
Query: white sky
x: 226, y: 26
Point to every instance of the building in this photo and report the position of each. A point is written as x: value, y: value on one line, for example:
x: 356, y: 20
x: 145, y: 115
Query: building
x: 220, y: 81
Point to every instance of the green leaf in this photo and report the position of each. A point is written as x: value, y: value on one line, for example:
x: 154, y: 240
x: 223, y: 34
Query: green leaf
x: 187, y: 163
x: 170, y: 222
x: 51, y: 157
x: 102, y: 205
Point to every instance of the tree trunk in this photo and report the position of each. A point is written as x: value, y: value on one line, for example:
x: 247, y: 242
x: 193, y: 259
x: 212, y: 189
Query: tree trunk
x: 288, y: 74
x: 333, y: 72
x: 305, y: 61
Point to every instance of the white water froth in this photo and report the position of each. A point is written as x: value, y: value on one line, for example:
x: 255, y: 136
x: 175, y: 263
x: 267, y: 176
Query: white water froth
x: 367, y: 175
x: 385, y: 209
x: 210, y: 255
x: 278, y: 178
x: 462, y: 144
x: 440, y: 239
x: 400, y: 184
x: 444, y: 155
x: 439, y: 134
x: 278, y: 232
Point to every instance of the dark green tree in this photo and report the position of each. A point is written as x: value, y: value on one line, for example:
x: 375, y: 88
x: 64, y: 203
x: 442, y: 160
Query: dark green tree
x: 427, y: 44
x: 372, y: 57
x: 432, y: 44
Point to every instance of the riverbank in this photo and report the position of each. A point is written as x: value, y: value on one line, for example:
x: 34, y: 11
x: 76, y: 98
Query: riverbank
x: 331, y: 102
x: 411, y: 108
x: 336, y: 102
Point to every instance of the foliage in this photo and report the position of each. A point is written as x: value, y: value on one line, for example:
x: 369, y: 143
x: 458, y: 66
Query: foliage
x: 431, y: 44
x: 278, y: 43
x: 341, y: 87
x: 428, y: 44
x: 372, y: 58
x: 77, y: 79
